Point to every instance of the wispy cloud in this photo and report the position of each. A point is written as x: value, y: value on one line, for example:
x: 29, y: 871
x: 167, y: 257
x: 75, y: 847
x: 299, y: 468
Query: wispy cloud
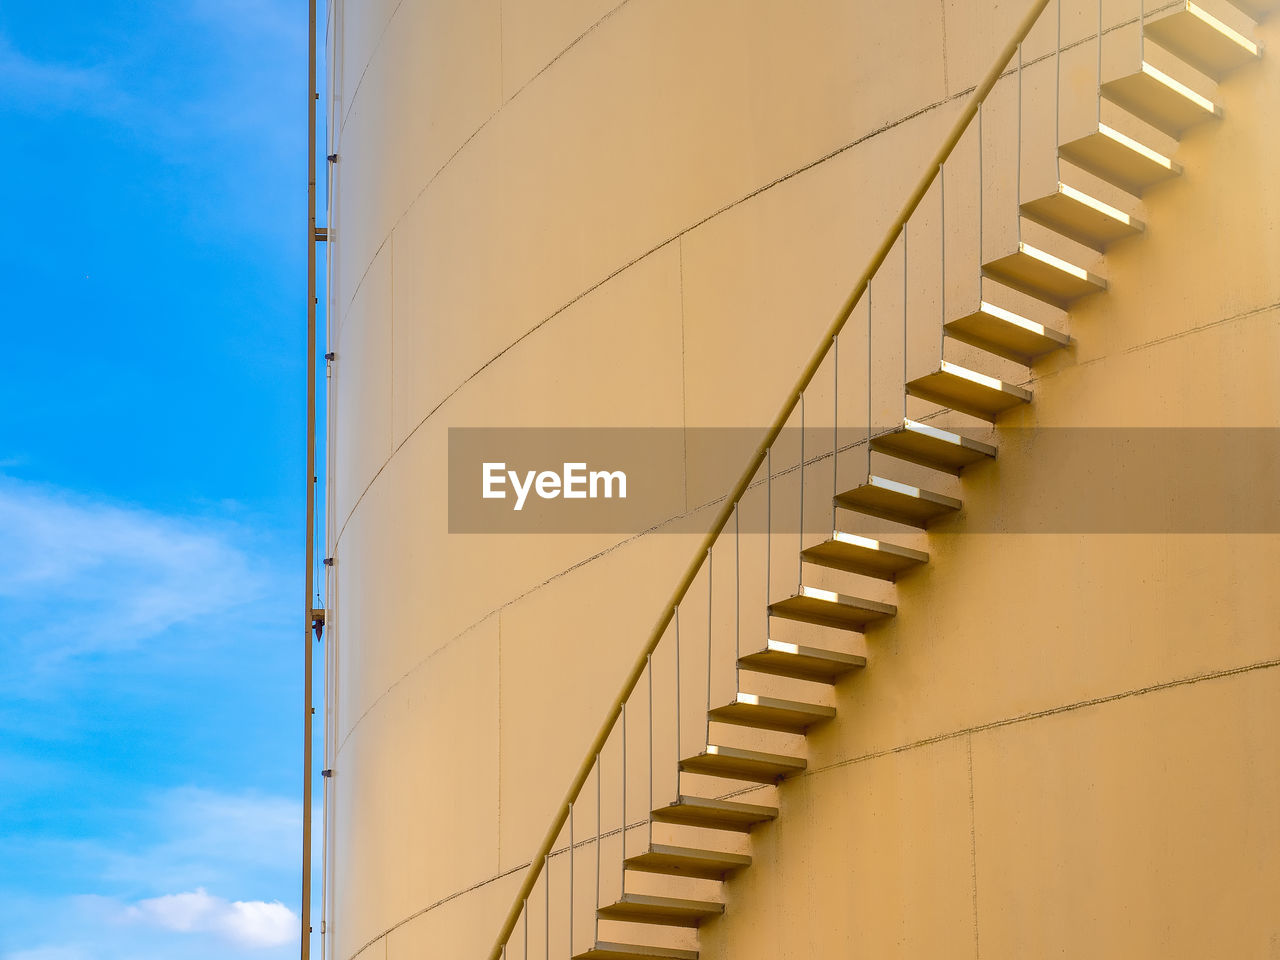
x: 79, y: 575
x: 247, y: 923
x: 38, y: 84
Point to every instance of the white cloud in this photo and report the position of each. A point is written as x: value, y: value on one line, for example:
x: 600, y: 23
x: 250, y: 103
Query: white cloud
x: 246, y: 923
x: 78, y: 575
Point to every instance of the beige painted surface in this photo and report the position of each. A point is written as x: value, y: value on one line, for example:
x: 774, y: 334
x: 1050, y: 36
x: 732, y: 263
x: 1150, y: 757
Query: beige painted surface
x: 644, y: 213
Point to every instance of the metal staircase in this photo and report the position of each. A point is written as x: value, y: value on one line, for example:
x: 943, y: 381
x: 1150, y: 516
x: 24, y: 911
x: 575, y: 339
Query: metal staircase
x: 705, y: 818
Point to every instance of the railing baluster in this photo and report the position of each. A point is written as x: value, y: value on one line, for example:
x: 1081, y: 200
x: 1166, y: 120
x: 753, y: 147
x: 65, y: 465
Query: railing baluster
x: 904, y: 320
x: 710, y: 608
x: 622, y: 868
x: 1057, y: 97
x: 870, y: 415
x: 679, y: 746
x: 1017, y: 174
x: 599, y: 809
x: 942, y: 297
x: 835, y: 427
x: 571, y: 887
x: 768, y: 537
x: 799, y: 558
x: 650, y: 818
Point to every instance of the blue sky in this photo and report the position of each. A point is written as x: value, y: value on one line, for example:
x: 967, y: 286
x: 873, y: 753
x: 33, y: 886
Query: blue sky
x: 150, y: 466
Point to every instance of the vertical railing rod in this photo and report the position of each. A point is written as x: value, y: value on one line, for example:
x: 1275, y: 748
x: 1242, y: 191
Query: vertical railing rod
x: 650, y: 819
x: 799, y: 554
x: 1017, y: 174
x: 1057, y: 98
x: 679, y: 746
x: 942, y: 297
x: 1099, y: 63
x: 737, y: 595
x: 622, y: 866
x: 768, y: 537
x: 599, y: 816
x: 835, y: 427
x: 710, y: 634
x: 904, y: 320
x: 721, y: 519
x: 571, y: 886
x: 870, y: 415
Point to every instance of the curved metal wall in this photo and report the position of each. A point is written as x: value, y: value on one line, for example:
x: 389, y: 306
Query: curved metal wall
x: 592, y: 213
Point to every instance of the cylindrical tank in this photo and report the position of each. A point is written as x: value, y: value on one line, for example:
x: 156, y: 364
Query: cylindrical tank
x: 643, y: 214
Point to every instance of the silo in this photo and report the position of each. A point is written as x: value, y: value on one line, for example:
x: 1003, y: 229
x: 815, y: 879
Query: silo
x: 1056, y: 732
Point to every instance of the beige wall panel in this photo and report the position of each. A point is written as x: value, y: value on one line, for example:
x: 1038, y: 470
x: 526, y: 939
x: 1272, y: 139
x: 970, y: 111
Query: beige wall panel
x: 565, y: 650
x: 869, y: 859
x: 460, y: 927
x: 570, y: 372
x: 441, y: 584
x: 630, y: 139
x: 535, y: 33
x: 401, y: 765
x: 393, y: 616
x: 433, y: 81
x: 1140, y: 828
x: 361, y: 386
x: 363, y: 27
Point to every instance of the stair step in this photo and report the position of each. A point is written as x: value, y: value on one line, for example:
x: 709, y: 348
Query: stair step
x: 631, y: 951
x: 799, y: 662
x: 863, y: 555
x: 1006, y: 334
x: 1043, y: 276
x: 770, y: 713
x: 1080, y: 217
x: 1160, y: 100
x: 1120, y: 159
x: 714, y: 814
x: 1202, y: 40
x: 668, y: 911
x: 826, y: 608
x: 932, y: 447
x: 1257, y: 10
x: 968, y: 391
x: 688, y: 862
x: 735, y: 763
x: 897, y: 502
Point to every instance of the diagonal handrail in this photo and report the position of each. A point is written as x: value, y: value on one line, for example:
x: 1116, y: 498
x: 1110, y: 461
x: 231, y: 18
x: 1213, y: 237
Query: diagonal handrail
x: 637, y: 670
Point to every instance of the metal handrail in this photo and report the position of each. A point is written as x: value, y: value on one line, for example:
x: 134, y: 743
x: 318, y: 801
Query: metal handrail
x: 637, y: 670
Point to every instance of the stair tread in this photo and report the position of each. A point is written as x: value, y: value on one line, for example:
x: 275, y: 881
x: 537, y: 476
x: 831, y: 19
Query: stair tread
x: 688, y: 861
x: 800, y: 662
x: 771, y: 713
x: 932, y: 447
x: 830, y: 609
x: 1082, y: 217
x: 737, y: 763
x: 605, y: 950
x: 1044, y: 276
x: 968, y: 391
x: 666, y: 911
x: 1202, y: 40
x: 716, y: 814
x: 897, y: 502
x: 854, y: 553
x: 1119, y: 159
x: 1160, y: 100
